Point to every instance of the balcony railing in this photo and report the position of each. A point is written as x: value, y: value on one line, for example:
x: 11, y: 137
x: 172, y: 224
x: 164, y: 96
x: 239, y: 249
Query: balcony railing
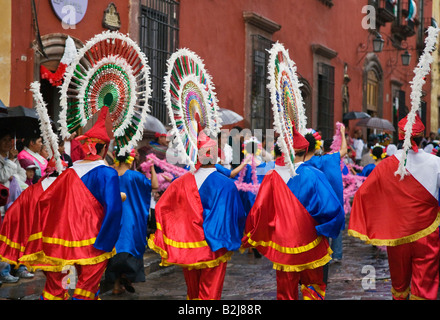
x: 404, y: 26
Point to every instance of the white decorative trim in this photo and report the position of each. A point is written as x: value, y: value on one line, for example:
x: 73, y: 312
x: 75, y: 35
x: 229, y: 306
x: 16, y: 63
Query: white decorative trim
x: 213, y: 119
x: 273, y: 86
x: 50, y: 139
x: 139, y: 98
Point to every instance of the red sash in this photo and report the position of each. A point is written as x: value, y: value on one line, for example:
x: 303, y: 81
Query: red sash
x: 180, y: 238
x: 282, y: 230
x: 389, y: 211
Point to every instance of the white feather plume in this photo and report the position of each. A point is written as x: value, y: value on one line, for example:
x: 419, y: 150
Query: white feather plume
x: 50, y: 139
x: 422, y: 69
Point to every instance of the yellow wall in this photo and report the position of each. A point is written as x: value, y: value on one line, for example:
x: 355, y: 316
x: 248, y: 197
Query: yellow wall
x: 5, y: 50
x: 435, y: 76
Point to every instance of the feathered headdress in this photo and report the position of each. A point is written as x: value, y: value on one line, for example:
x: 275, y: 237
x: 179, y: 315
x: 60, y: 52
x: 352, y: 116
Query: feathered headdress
x: 287, y: 103
x: 191, y: 102
x: 109, y: 64
x: 422, y: 69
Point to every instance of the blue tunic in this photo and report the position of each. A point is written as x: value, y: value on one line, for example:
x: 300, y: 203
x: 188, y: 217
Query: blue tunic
x: 135, y: 210
x: 313, y: 190
x: 367, y: 170
x: 330, y: 165
x: 224, y: 217
x: 103, y: 183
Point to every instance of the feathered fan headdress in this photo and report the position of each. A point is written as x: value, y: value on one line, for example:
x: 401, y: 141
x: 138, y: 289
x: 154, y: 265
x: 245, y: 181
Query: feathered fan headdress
x: 191, y: 102
x: 287, y: 104
x: 109, y: 64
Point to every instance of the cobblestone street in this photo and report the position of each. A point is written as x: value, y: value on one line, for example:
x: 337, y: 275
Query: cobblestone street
x: 247, y: 278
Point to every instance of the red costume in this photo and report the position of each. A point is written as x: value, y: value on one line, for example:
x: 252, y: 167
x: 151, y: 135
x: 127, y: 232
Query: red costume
x: 283, y: 225
x: 77, y: 222
x: 404, y: 216
x: 200, y: 221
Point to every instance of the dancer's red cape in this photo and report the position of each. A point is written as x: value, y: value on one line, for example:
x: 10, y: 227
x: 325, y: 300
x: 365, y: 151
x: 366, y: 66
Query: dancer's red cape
x: 65, y: 227
x: 186, y: 245
x: 388, y: 211
x: 286, y: 236
x: 17, y: 224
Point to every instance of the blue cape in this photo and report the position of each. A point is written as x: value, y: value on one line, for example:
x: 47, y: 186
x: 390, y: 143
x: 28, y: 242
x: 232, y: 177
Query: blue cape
x: 330, y: 165
x: 224, y: 217
x: 103, y: 183
x: 312, y: 189
x: 135, y: 210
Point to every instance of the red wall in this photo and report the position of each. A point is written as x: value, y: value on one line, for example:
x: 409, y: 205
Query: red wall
x: 215, y: 30
x: 23, y: 34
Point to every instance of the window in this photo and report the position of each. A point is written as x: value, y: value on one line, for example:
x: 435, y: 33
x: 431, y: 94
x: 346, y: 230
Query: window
x: 261, y: 109
x: 159, y: 38
x: 326, y: 88
x: 372, y: 93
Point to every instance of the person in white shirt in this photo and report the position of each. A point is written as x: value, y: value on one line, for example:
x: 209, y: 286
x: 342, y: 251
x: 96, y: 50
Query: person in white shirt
x: 358, y: 145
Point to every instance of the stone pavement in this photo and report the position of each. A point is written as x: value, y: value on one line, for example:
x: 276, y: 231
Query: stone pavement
x: 247, y: 278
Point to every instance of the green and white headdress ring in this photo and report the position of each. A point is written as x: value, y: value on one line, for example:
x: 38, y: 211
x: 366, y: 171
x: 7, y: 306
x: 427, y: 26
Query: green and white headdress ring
x: 190, y: 98
x: 110, y: 67
x: 286, y: 99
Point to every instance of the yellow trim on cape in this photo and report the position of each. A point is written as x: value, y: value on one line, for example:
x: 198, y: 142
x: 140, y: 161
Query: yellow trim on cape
x: 396, y: 242
x: 287, y: 250
x: 84, y: 293
x: 49, y: 296
x: 300, y: 267
x: 62, y: 242
x: 12, y: 244
x: 182, y: 245
x: 8, y: 261
x: 402, y: 294
x: 41, y: 261
x: 199, y: 265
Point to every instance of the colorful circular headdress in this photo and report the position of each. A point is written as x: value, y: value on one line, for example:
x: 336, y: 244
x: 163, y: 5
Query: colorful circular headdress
x: 110, y: 67
x: 190, y: 98
x: 286, y: 99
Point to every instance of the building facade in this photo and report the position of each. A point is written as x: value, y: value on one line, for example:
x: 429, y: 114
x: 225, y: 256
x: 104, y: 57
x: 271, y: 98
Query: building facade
x: 331, y: 41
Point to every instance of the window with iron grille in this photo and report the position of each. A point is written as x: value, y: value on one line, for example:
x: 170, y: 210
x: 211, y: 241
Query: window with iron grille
x: 326, y: 91
x: 260, y: 97
x: 159, y: 39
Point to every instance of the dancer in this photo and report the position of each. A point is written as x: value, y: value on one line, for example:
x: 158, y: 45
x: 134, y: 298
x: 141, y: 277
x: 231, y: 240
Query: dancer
x: 200, y: 221
x: 82, y: 227
x: 289, y: 223
x: 378, y: 154
x: 330, y: 164
x: 406, y: 222
x: 128, y: 264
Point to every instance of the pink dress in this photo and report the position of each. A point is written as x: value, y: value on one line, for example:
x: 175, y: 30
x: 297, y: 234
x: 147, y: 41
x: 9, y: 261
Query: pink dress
x: 39, y: 161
